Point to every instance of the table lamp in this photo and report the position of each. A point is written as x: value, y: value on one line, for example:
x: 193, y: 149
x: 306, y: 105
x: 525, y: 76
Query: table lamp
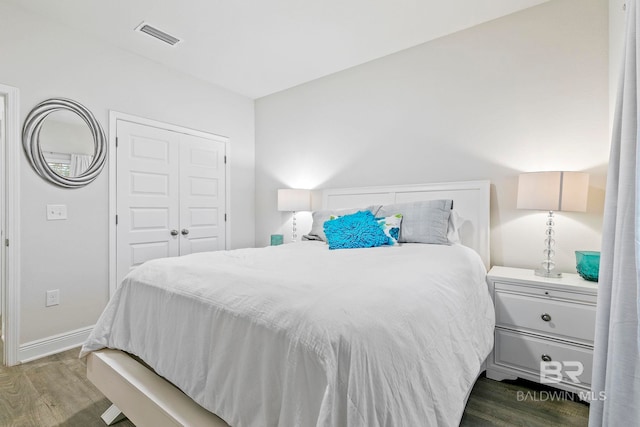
x: 293, y: 200
x: 552, y: 191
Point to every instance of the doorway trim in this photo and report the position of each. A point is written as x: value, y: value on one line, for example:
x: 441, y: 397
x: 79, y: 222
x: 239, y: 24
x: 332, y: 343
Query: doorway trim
x: 10, y: 217
x: 114, y: 116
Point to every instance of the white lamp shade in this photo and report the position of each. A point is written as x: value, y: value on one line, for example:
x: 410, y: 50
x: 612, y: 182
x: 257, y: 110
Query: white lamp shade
x: 553, y: 191
x: 291, y: 200
x: 575, y: 189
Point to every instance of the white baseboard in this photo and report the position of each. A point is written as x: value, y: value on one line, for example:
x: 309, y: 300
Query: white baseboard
x: 54, y: 344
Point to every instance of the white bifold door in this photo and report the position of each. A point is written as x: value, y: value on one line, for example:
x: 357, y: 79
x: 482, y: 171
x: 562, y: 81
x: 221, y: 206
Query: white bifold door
x: 170, y: 194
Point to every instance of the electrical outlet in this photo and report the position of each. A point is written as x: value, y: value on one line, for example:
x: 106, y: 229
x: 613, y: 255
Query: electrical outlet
x: 56, y: 212
x: 53, y: 298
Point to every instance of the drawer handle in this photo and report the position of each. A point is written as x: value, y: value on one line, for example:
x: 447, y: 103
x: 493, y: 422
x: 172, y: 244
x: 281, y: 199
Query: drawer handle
x: 546, y: 317
x: 545, y: 358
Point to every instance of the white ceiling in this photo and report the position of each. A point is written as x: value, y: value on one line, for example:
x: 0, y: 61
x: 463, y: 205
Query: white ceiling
x: 258, y: 47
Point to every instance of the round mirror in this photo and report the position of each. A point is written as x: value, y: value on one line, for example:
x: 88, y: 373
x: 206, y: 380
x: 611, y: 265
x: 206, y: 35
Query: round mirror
x: 64, y: 142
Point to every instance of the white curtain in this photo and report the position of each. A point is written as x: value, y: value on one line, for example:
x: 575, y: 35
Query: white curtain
x: 79, y: 164
x: 616, y: 364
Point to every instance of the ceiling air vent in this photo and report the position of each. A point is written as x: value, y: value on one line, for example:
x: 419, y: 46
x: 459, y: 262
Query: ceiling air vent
x: 159, y: 34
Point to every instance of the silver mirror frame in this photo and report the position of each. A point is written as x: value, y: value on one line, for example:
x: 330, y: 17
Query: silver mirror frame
x: 31, y: 134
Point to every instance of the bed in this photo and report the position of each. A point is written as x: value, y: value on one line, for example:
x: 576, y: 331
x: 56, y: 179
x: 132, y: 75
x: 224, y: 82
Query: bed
x: 300, y: 335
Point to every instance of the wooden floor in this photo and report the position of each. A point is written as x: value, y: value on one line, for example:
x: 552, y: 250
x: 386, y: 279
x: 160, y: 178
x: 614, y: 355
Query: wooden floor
x: 54, y: 391
x: 494, y: 403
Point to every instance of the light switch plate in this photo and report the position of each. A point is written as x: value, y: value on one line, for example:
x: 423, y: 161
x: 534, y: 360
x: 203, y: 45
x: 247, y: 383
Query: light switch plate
x: 53, y: 297
x: 56, y: 212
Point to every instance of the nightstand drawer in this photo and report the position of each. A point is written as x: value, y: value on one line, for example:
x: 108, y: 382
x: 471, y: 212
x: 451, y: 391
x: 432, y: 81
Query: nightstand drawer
x: 546, y: 292
x: 526, y: 352
x: 567, y: 320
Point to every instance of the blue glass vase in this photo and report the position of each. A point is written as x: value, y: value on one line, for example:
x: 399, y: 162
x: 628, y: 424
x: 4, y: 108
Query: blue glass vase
x: 588, y: 265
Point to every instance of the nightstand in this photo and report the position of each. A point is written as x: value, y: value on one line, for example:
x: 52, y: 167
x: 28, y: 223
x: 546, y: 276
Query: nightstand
x: 543, y: 320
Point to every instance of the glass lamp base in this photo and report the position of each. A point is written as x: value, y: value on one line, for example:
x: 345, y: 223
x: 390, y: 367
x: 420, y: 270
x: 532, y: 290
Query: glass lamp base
x: 550, y: 274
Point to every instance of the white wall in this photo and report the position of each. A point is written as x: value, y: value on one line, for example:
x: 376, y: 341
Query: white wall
x: 526, y: 92
x: 45, y: 60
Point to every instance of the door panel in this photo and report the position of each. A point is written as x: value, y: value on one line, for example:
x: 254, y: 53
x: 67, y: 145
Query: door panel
x: 149, y: 184
x: 149, y: 218
x: 148, y: 195
x: 141, y: 252
x: 202, y: 194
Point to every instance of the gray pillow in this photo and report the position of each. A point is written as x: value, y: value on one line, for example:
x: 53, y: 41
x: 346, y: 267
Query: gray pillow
x: 319, y: 218
x: 422, y: 222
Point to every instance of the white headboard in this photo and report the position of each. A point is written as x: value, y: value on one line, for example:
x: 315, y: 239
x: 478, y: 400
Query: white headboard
x: 470, y: 200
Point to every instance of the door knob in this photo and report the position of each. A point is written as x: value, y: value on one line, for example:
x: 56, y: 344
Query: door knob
x: 185, y: 231
x: 174, y: 232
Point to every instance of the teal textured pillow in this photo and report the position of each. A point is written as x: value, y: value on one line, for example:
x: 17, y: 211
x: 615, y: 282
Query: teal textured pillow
x: 320, y: 217
x: 358, y: 230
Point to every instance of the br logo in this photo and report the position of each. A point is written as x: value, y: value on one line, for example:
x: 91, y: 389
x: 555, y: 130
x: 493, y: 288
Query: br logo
x: 552, y: 372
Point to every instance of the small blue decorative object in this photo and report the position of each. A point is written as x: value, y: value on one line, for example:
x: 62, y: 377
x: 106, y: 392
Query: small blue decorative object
x: 588, y: 265
x: 276, y: 239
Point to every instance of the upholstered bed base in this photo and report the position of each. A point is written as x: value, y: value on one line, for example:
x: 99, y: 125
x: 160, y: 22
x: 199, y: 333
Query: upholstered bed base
x: 145, y: 398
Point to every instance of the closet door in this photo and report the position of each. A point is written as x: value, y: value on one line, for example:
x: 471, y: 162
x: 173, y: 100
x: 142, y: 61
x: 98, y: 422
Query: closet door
x: 171, y: 195
x: 148, y: 199
x: 202, y: 195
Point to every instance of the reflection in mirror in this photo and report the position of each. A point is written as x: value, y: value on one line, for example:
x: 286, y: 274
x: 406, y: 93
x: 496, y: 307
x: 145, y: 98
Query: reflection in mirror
x: 66, y: 143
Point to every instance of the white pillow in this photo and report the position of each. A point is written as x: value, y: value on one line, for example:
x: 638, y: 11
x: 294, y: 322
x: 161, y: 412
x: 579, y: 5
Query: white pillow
x: 455, y: 221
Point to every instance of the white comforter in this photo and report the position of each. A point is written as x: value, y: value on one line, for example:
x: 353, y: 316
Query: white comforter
x: 297, y: 335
